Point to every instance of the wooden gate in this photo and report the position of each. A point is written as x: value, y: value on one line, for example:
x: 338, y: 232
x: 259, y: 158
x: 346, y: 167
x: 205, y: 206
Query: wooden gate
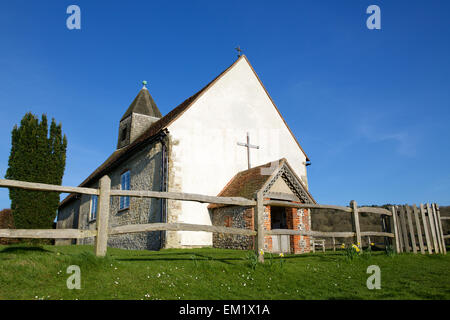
x: 419, y: 229
x: 281, y: 243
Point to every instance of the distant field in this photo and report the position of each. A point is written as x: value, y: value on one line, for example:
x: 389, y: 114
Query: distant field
x: 40, y: 273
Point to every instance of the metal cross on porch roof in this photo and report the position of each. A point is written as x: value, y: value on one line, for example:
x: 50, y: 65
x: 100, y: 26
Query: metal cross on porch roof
x: 248, y: 146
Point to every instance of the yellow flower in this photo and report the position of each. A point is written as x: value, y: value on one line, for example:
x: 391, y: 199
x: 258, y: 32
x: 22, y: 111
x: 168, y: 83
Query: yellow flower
x: 372, y: 244
x: 261, y: 252
x: 358, y: 243
x: 343, y: 246
x: 357, y: 249
x: 281, y: 255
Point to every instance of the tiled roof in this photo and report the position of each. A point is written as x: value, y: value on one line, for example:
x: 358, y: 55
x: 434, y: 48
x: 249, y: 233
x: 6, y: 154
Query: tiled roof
x: 247, y: 183
x: 143, y: 104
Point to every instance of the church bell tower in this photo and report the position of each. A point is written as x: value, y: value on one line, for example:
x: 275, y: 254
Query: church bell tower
x: 140, y: 115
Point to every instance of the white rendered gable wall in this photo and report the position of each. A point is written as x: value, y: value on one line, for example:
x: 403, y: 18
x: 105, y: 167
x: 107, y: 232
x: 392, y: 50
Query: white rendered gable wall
x: 207, y: 155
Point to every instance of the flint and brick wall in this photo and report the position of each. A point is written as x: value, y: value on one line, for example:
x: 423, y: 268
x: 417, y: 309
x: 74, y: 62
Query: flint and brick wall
x: 267, y: 226
x: 298, y: 219
x: 242, y: 217
x: 238, y: 217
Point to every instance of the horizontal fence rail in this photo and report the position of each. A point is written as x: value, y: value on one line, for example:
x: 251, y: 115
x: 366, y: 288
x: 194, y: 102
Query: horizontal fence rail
x: 133, y: 228
x: 310, y: 233
x: 325, y: 206
x: 47, y: 233
x: 375, y: 210
x: 305, y: 205
x: 4, y: 183
x: 327, y: 234
x: 377, y: 234
x: 405, y: 230
x: 185, y: 197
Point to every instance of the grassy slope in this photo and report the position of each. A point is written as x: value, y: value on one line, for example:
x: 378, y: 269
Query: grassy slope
x: 30, y: 272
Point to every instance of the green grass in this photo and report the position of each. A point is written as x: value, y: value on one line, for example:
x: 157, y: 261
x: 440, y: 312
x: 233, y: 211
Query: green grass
x: 40, y: 273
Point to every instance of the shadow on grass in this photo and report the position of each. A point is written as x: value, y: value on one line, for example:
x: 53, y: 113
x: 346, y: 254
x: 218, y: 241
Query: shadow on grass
x: 23, y: 249
x: 224, y: 258
x: 323, y: 257
x: 184, y: 256
x: 201, y: 259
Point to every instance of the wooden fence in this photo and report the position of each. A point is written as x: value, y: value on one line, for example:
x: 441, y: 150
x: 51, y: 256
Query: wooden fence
x: 104, y: 193
x: 356, y: 232
x: 420, y: 229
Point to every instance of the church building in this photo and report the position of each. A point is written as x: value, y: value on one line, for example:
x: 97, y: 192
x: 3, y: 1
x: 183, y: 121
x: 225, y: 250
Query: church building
x: 228, y: 139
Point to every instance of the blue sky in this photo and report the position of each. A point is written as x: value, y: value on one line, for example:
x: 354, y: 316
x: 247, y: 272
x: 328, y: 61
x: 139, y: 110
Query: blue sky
x: 371, y: 108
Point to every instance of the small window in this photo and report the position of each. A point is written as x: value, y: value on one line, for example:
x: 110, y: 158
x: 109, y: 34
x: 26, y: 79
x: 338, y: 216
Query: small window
x: 125, y: 185
x: 124, y: 133
x: 228, y: 222
x: 93, y: 213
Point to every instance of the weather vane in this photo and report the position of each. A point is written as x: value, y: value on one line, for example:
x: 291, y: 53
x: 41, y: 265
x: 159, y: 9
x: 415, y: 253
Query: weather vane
x: 144, y: 83
x: 238, y: 49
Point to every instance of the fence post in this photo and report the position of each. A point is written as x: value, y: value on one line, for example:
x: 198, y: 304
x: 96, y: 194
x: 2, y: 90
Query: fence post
x: 444, y: 249
x: 384, y: 228
x: 419, y: 230
x: 101, y: 240
x: 438, y: 230
x: 433, y: 228
x: 411, y: 228
x: 259, y: 223
x: 396, y: 234
x: 356, y: 227
x: 402, y: 216
x: 425, y: 229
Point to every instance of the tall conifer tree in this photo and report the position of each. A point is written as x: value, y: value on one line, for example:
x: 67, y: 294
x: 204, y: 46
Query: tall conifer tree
x: 37, y: 155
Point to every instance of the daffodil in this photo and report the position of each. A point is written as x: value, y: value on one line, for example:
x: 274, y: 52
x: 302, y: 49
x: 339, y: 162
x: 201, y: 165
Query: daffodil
x: 281, y: 255
x: 343, y: 246
x: 372, y: 244
x: 261, y: 252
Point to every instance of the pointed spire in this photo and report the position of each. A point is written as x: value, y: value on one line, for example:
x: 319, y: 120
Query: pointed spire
x: 143, y: 104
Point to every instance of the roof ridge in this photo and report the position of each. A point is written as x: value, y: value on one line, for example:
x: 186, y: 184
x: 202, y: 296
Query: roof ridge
x: 281, y: 160
x: 246, y: 183
x: 275, y: 106
x: 157, y: 126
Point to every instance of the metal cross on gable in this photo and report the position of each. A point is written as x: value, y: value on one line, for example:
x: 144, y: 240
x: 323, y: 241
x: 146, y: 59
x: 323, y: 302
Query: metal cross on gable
x: 248, y: 146
x: 239, y: 51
